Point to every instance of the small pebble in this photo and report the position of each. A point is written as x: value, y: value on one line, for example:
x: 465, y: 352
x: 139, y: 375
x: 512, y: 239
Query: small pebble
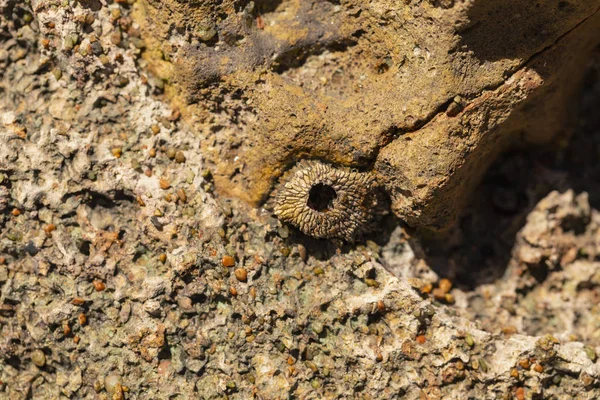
x: 520, y: 393
x: 371, y: 282
x: 445, y: 285
x: 427, y: 288
x: 164, y: 184
x: 285, y: 251
x: 163, y: 367
x: 317, y: 327
x: 182, y: 195
x: 591, y: 353
x: 78, y: 301
x: 180, y: 157
x: 483, y: 365
x: 115, y: 13
x: 241, y: 274
x: 525, y: 364
x: 302, y: 252
x: 115, y: 38
x: 38, y: 358
x: 122, y: 81
x: 206, y: 32
x: 469, y: 340
x: 184, y: 302
x: 228, y: 261
x: 283, y: 232
x: 439, y: 294
x: 111, y: 382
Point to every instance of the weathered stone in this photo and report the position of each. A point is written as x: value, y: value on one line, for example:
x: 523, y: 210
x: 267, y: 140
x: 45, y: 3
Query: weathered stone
x: 380, y: 77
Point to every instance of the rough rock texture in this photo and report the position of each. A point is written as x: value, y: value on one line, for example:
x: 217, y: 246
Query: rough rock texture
x: 424, y: 93
x: 123, y: 274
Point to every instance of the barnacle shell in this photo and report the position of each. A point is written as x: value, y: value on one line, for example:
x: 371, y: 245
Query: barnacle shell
x: 327, y: 202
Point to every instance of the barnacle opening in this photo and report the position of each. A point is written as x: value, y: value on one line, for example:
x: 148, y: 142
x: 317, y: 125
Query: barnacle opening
x: 321, y: 197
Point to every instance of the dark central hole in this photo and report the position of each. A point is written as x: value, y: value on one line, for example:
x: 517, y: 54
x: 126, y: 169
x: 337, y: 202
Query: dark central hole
x: 320, y: 197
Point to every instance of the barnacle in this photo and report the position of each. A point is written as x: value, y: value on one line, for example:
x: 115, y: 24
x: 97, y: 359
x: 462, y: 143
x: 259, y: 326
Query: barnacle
x: 327, y: 202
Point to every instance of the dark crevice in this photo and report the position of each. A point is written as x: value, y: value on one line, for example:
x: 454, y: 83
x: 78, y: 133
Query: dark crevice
x: 96, y: 199
x: 165, y: 351
x: 267, y: 6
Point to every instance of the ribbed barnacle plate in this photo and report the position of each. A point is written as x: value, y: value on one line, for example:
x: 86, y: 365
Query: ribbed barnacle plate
x: 327, y: 202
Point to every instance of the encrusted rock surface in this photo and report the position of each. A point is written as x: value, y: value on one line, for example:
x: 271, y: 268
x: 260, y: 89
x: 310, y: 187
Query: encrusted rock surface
x: 123, y: 274
x: 424, y: 93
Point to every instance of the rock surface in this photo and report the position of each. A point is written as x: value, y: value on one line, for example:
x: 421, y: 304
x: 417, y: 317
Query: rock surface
x: 124, y: 275
x: 424, y: 93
